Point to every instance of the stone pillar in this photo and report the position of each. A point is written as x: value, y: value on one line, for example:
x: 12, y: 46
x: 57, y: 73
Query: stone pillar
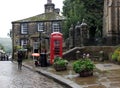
x: 84, y: 33
x: 71, y: 37
x: 77, y: 54
x: 77, y: 35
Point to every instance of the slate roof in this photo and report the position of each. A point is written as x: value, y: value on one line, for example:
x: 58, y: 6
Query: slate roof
x: 51, y: 16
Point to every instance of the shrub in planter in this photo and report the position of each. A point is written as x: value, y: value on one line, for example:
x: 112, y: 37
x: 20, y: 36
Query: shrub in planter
x: 60, y: 64
x: 116, y: 55
x: 84, y: 67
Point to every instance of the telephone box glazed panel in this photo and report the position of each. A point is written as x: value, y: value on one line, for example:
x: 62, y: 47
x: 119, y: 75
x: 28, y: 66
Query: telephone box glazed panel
x: 56, y: 39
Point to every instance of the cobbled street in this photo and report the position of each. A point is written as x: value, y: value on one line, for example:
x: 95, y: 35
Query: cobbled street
x: 11, y: 77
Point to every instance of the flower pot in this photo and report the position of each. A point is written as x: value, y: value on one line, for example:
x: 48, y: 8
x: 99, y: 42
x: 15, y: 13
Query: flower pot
x: 60, y: 64
x: 86, y: 73
x: 60, y: 68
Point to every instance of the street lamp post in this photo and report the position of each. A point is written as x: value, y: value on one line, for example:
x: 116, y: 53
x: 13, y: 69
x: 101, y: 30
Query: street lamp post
x: 40, y: 32
x: 43, y: 57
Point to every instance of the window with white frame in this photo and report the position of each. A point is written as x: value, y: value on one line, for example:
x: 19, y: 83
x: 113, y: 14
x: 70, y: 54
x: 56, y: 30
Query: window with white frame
x: 24, y: 28
x: 24, y: 43
x: 40, y: 26
x: 55, y: 26
x: 36, y: 45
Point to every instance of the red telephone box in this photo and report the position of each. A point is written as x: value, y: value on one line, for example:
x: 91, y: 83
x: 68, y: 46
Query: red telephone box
x: 55, y: 45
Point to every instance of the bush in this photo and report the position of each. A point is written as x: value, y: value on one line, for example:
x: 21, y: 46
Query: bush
x: 83, y: 65
x: 60, y: 61
x: 116, y: 55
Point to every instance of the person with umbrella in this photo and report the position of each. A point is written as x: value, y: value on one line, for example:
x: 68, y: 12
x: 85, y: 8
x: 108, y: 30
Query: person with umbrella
x: 19, y: 60
x: 36, y: 55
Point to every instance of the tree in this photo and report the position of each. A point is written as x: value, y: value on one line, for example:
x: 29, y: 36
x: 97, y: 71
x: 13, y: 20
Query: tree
x: 2, y: 47
x: 90, y: 10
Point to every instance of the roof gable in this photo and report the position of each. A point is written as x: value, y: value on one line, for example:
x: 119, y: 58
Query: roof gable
x: 43, y: 17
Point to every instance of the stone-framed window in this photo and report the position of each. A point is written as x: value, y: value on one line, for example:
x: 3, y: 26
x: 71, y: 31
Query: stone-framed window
x: 24, y: 43
x: 55, y: 27
x: 40, y: 26
x: 24, y: 28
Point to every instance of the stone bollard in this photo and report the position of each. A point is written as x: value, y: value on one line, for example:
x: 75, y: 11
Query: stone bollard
x: 77, y: 54
x: 101, y: 56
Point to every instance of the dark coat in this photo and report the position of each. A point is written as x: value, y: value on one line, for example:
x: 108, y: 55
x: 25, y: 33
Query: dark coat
x: 20, y: 56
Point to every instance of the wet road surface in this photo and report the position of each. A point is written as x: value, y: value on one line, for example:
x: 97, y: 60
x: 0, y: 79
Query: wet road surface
x: 11, y: 77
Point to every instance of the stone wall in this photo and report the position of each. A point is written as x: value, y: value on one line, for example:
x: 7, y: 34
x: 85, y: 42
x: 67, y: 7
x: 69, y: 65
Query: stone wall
x: 71, y: 54
x: 94, y: 52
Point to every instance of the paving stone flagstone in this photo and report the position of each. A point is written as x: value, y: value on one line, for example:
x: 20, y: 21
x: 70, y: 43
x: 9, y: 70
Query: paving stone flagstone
x: 106, y: 66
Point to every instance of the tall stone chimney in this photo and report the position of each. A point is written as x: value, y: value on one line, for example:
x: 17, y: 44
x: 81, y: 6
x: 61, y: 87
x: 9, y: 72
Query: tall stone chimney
x: 57, y: 10
x: 49, y: 1
x: 49, y: 7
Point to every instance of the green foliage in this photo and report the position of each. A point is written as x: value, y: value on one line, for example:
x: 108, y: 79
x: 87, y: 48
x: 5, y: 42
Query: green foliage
x: 29, y: 48
x: 60, y: 62
x: 90, y: 10
x: 116, y: 54
x: 16, y: 48
x: 2, y: 47
x: 118, y: 58
x: 83, y: 65
x: 57, y: 59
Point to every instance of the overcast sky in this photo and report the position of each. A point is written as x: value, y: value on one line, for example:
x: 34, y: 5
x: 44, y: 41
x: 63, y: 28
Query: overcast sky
x: 12, y: 10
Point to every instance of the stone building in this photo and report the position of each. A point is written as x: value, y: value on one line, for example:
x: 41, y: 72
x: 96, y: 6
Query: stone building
x: 111, y: 30
x: 33, y: 32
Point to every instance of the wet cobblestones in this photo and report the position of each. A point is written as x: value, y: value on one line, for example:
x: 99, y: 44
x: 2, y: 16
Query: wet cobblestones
x: 11, y: 77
